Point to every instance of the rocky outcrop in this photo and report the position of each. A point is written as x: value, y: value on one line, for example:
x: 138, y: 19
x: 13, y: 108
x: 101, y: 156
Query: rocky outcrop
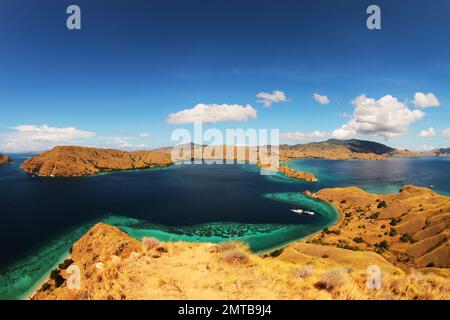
x: 288, y: 171
x: 70, y: 161
x: 4, y: 159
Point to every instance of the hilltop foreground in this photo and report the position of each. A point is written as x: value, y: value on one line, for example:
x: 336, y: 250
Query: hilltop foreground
x: 413, y: 262
x: 115, y: 266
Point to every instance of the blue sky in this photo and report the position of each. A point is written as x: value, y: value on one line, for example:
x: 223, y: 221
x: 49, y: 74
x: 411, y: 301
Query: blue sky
x: 116, y: 81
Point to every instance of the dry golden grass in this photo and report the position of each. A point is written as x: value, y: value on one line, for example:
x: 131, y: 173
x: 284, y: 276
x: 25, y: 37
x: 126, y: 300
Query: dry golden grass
x: 199, y: 271
x: 410, y: 229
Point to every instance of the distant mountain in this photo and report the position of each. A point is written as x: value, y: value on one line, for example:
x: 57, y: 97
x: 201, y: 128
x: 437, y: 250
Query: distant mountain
x: 361, y: 146
x: 441, y: 152
x: 338, y: 150
x: 353, y: 149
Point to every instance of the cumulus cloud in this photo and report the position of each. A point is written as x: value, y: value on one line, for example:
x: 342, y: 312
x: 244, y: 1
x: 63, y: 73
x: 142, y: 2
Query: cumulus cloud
x: 422, y: 100
x: 323, y: 100
x: 300, y: 136
x: 143, y: 134
x: 268, y: 99
x: 38, y: 138
x: 428, y: 133
x: 386, y: 117
x: 212, y: 113
x: 446, y: 133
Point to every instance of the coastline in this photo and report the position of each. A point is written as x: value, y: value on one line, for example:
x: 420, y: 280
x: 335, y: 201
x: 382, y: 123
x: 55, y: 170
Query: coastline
x: 46, y: 277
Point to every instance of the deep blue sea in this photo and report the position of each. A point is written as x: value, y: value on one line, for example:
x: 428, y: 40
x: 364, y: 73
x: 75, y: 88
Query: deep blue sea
x: 42, y: 217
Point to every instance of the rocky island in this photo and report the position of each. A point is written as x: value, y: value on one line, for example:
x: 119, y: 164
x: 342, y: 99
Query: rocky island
x: 70, y: 161
x: 288, y: 171
x: 4, y: 159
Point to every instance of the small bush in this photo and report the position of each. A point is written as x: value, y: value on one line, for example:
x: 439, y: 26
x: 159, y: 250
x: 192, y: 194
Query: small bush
x: 46, y: 286
x: 374, y: 215
x: 235, y: 256
x: 395, y: 221
x: 430, y: 265
x: 65, y: 264
x: 225, y: 246
x: 304, y: 272
x: 392, y: 232
x: 149, y: 243
x: 407, y: 238
x: 383, y: 245
x: 331, y: 280
x: 343, y: 201
x: 276, y: 253
x: 358, y: 240
x: 382, y: 204
x: 57, y: 277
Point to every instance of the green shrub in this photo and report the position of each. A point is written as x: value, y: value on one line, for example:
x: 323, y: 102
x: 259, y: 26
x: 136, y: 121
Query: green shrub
x: 374, y: 215
x: 65, y: 264
x: 395, y: 221
x: 392, y: 232
x: 358, y: 240
x: 407, y: 238
x: 382, y: 204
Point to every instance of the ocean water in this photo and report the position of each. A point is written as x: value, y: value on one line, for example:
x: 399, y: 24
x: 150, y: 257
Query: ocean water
x: 43, y: 217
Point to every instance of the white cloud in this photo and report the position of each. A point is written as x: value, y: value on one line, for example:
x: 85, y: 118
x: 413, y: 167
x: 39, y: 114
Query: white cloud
x: 143, y: 134
x: 446, y: 133
x: 300, y: 136
x: 430, y: 132
x: 38, y: 138
x: 323, y: 100
x: 268, y: 99
x: 425, y: 148
x: 213, y: 113
x: 422, y: 100
x: 123, y: 143
x: 386, y: 117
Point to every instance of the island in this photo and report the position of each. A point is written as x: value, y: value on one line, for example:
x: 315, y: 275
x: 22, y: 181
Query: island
x: 71, y: 161
x: 288, y: 171
x: 4, y: 159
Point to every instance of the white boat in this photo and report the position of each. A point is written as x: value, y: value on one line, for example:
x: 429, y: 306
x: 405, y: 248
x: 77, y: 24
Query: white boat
x: 300, y: 211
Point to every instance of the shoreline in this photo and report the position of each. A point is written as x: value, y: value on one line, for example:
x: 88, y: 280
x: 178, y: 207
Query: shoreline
x: 27, y: 295
x: 46, y: 277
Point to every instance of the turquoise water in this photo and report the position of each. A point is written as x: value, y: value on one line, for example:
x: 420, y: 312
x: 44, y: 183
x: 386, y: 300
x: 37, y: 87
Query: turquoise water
x: 381, y: 177
x: 42, y: 217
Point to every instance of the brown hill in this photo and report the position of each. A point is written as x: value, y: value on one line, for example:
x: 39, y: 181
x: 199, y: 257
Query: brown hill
x: 80, y: 161
x: 115, y: 266
x: 410, y: 228
x: 338, y: 150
